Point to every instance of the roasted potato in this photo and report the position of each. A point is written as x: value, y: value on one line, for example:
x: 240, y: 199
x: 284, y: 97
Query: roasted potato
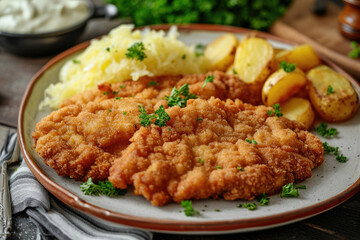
x: 303, y: 56
x: 254, y: 60
x: 331, y: 94
x: 221, y: 52
x: 281, y: 85
x: 298, y: 109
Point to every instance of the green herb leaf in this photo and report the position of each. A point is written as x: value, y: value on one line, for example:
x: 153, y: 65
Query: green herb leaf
x: 117, y: 98
x: 355, y: 52
x: 240, y: 168
x: 289, y: 191
x: 287, y: 67
x: 114, y: 92
x: 122, y: 86
x: 136, y: 51
x: 201, y: 160
x: 106, y: 93
x: 76, y: 61
x: 153, y: 83
x: 162, y: 117
x: 199, y: 50
x: 250, y: 206
x: 324, y: 131
x: 109, y: 110
x: 300, y: 187
x: 124, y: 113
x: 175, y: 98
x: 217, y: 210
x: 251, y: 141
x: 277, y: 110
x: 208, y: 79
x: 234, y: 71
x: 199, y: 119
x: 107, y: 49
x: 189, y: 211
x: 330, y: 90
x: 330, y: 149
x: 183, y: 56
x: 263, y: 199
x: 341, y: 158
x: 218, y: 167
x: 106, y: 188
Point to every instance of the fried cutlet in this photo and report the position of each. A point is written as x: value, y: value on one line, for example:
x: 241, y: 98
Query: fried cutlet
x: 213, y: 148
x: 223, y: 86
x: 82, y: 141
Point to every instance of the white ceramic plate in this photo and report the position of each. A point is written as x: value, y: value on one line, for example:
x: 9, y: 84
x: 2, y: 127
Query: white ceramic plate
x: 331, y: 184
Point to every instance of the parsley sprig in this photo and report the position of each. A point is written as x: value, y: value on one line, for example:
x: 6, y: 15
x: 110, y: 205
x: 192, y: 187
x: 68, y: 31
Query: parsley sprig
x: 277, y: 110
x: 355, y: 52
x: 160, y: 116
x: 179, y: 97
x: 287, y: 67
x: 263, y: 199
x: 324, y: 131
x: 199, y: 50
x: 106, y: 188
x: 330, y: 90
x: 335, y: 151
x: 136, y: 51
x: 250, y: 206
x: 208, y: 79
x: 189, y: 211
x: 153, y: 83
x: 289, y: 191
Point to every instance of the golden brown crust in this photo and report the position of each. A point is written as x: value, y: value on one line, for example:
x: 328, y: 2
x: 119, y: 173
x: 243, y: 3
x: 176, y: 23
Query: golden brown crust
x: 164, y: 163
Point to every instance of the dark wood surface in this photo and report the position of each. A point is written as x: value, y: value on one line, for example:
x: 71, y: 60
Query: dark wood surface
x: 342, y: 222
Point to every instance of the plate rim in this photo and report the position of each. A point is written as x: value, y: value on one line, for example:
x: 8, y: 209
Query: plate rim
x: 178, y: 226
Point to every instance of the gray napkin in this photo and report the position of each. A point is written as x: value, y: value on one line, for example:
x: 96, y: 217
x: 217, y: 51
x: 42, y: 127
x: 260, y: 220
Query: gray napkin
x: 53, y: 218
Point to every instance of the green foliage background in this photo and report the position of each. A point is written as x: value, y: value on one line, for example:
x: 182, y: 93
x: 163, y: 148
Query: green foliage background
x: 255, y: 14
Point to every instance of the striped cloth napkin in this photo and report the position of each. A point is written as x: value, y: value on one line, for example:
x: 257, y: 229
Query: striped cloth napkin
x: 54, y: 219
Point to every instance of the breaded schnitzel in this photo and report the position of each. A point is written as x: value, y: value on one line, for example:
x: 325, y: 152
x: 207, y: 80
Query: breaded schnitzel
x: 213, y: 148
x: 223, y: 86
x: 82, y: 141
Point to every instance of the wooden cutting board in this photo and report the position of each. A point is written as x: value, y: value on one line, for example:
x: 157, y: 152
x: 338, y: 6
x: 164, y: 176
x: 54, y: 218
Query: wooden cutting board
x: 300, y: 25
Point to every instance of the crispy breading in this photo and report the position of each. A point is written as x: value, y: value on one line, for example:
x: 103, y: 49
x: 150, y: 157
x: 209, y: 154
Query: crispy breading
x: 203, y: 149
x: 82, y: 141
x: 224, y: 87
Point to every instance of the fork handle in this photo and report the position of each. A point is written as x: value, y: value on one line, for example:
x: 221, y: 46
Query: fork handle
x: 5, y: 204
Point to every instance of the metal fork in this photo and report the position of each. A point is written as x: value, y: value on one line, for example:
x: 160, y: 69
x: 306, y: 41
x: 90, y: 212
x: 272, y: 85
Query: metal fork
x: 7, y: 150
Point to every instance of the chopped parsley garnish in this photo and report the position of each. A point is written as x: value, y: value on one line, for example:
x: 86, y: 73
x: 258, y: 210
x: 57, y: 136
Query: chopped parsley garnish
x: 250, y: 206
x: 122, y: 86
x: 289, y: 191
x: 107, y: 49
x: 76, y: 61
x: 287, y: 67
x: 277, y: 110
x: 355, y: 52
x: 341, y: 158
x: 234, y: 71
x: 208, y: 79
x: 199, y: 50
x: 330, y: 149
x: 175, y: 98
x: 106, y: 188
x: 169, y: 129
x: 153, y: 83
x: 251, y: 141
x: 217, y: 210
x: 114, y: 92
x: 117, y: 98
x: 199, y: 119
x: 189, y: 211
x: 183, y: 56
x: 329, y: 90
x: 136, y: 51
x: 300, y: 187
x: 201, y: 160
x: 160, y: 116
x: 240, y: 168
x: 324, y: 131
x: 124, y: 113
x: 218, y: 167
x: 106, y: 93
x: 263, y: 199
x: 109, y: 110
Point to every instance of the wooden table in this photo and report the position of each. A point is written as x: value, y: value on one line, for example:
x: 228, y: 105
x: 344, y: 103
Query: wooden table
x: 342, y: 222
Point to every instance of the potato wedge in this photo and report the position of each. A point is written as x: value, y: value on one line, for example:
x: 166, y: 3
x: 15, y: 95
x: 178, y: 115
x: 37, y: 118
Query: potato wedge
x: 298, y: 109
x: 281, y: 85
x: 221, y: 52
x: 254, y: 60
x: 303, y: 56
x: 334, y: 106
